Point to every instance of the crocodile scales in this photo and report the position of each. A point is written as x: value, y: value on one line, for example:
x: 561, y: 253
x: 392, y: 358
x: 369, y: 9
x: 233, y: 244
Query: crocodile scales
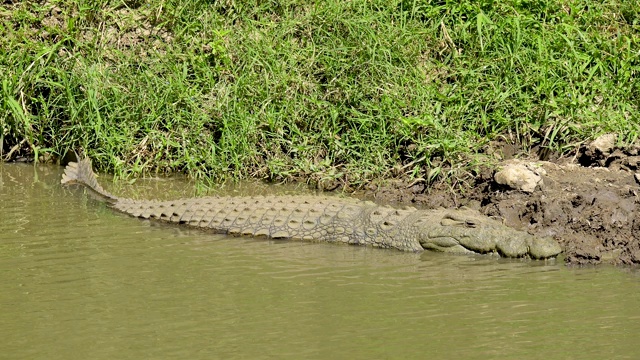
x: 339, y: 220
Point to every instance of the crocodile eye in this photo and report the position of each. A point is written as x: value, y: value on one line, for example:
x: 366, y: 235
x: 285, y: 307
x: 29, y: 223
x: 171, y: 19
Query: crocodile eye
x: 447, y: 221
x: 470, y: 223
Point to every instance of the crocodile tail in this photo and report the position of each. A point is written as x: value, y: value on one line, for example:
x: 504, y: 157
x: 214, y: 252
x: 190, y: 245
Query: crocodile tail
x: 82, y: 173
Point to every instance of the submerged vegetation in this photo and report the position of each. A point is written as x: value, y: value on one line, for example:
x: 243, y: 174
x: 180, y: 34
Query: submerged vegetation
x: 334, y: 90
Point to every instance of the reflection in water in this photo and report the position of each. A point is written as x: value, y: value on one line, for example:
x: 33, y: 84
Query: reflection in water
x: 80, y: 281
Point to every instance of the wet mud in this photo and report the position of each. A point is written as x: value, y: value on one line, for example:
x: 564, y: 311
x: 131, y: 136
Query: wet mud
x: 589, y: 202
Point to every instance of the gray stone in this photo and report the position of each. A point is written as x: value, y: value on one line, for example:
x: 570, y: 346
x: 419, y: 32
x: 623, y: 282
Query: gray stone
x: 520, y: 176
x: 603, y: 144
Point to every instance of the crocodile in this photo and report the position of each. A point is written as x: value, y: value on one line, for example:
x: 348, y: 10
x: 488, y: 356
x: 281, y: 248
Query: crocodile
x: 331, y: 219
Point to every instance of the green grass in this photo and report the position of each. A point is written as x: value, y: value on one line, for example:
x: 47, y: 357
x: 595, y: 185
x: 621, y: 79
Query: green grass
x: 334, y: 90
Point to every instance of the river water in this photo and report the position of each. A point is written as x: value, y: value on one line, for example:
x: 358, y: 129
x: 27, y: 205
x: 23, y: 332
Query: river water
x: 79, y: 281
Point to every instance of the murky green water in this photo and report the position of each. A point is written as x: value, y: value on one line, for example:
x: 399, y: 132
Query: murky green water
x: 79, y: 281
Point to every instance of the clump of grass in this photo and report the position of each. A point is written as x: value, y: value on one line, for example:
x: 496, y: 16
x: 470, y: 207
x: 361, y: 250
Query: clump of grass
x: 327, y: 91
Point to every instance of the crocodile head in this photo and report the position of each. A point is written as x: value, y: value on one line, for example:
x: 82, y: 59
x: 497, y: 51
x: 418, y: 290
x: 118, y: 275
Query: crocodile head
x: 467, y: 231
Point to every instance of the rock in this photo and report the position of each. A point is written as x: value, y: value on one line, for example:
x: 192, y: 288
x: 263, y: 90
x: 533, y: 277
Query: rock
x: 520, y: 176
x: 632, y: 162
x: 637, y: 176
x: 603, y: 144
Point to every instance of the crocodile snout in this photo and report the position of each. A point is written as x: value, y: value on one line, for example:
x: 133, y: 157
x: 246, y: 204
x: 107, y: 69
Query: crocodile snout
x: 544, y: 248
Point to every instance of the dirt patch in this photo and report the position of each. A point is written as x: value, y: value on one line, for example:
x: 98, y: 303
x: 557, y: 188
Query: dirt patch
x: 589, y: 202
x: 125, y: 27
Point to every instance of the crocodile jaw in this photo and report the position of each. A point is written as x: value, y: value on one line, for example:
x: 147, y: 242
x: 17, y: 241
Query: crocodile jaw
x: 467, y: 232
x: 544, y: 248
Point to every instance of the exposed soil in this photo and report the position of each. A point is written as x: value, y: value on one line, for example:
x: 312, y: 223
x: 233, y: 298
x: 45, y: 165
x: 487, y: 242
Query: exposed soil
x: 590, y: 203
x: 125, y: 27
